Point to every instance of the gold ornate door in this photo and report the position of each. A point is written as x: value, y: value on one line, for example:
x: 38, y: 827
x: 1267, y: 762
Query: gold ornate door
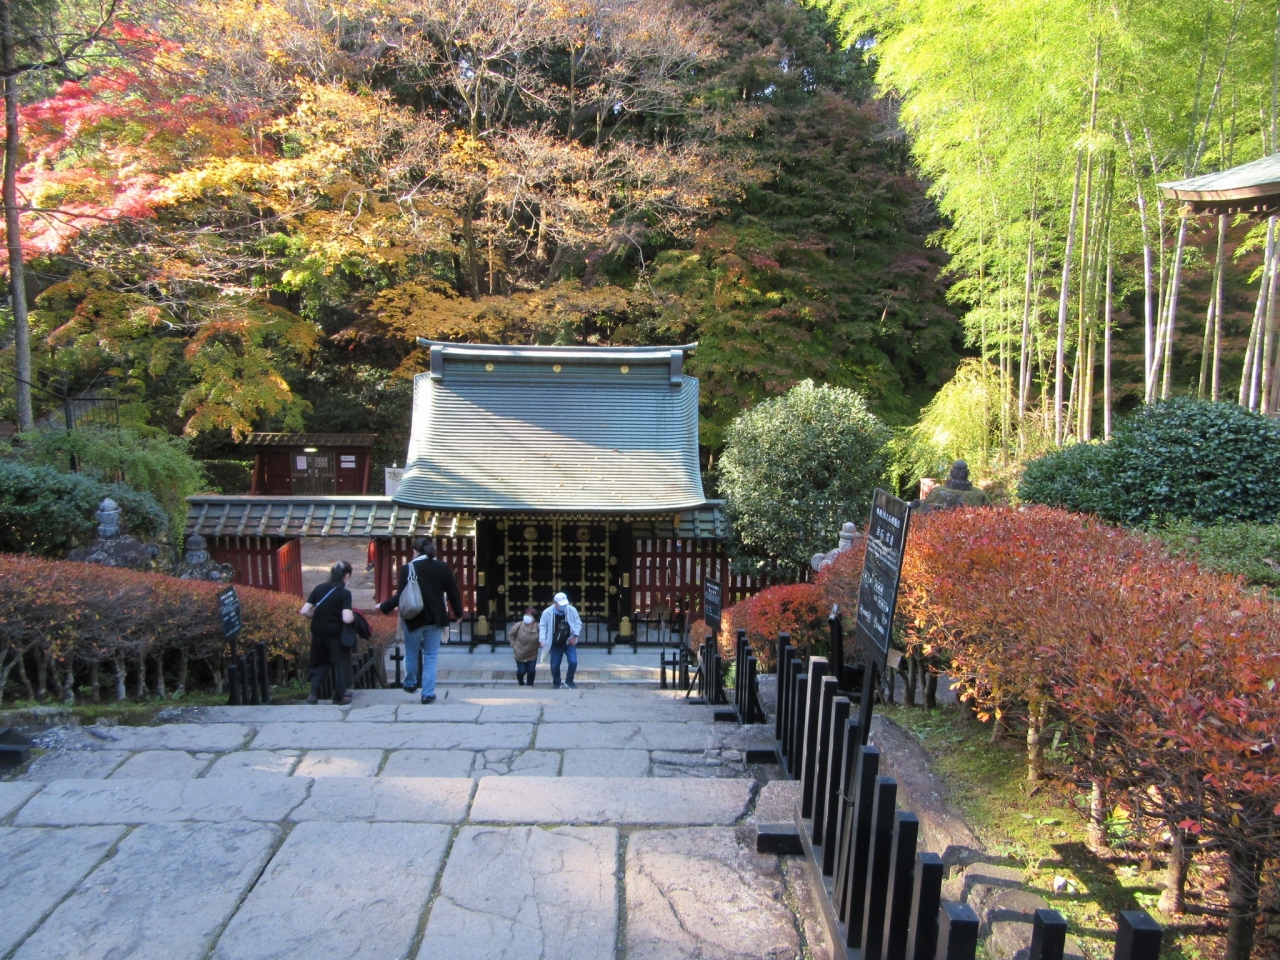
x: 543, y: 555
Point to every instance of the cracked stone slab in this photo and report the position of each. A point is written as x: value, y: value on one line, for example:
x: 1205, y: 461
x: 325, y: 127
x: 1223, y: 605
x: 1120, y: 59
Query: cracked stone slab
x: 41, y: 866
x: 161, y: 765
x: 660, y: 735
x: 255, y: 763
x: 87, y: 802
x: 376, y: 713
x: 428, y: 763
x: 339, y: 763
x: 517, y: 763
x: 394, y: 736
x: 13, y: 795
x: 165, y: 894
x: 519, y: 712
x: 196, y: 737
x: 438, y: 712
x: 605, y: 763
x: 705, y: 893
x: 777, y: 802
x: 387, y: 799
x: 523, y: 893
x: 624, y: 710
x: 339, y: 891
x: 613, y: 800
x: 74, y: 765
x: 249, y: 714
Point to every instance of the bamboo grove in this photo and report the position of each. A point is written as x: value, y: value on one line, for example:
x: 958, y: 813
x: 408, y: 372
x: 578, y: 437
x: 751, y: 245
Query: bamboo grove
x: 1046, y: 127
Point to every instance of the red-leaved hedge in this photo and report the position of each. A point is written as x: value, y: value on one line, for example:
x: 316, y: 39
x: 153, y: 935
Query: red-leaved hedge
x: 81, y: 614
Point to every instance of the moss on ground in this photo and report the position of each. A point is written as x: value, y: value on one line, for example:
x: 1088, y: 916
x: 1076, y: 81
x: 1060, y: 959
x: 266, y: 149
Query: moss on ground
x: 1043, y: 830
x: 126, y: 713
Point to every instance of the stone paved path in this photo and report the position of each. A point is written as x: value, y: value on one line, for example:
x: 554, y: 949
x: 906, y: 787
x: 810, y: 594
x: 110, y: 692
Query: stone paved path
x: 499, y: 822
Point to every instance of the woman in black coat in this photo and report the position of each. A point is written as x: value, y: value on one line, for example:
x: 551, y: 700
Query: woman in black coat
x: 328, y: 608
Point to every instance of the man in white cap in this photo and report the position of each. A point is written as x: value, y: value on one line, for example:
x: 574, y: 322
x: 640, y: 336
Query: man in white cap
x: 558, y: 631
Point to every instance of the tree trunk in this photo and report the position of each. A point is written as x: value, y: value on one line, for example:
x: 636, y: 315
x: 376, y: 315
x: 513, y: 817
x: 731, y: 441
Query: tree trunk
x: 931, y: 691
x: 1037, y: 716
x: 42, y: 673
x: 118, y: 663
x: 219, y: 675
x: 13, y: 227
x: 140, y: 688
x: 95, y: 682
x: 183, y: 663
x: 1097, y: 830
x: 69, y: 685
x: 160, y: 692
x: 1269, y: 337
x: 1174, y: 283
x: 1106, y: 353
x: 1064, y: 306
x: 1242, y: 901
x: 1173, y: 897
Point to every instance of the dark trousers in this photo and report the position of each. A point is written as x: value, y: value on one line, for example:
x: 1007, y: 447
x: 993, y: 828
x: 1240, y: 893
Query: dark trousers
x: 329, y: 653
x: 525, y: 670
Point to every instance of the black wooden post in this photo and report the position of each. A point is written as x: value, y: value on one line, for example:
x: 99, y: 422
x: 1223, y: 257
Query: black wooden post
x: 821, y: 694
x: 828, y: 793
x: 897, y: 916
x: 879, y: 867
x: 870, y: 678
x: 856, y: 880
x: 926, y: 897
x: 839, y: 815
x: 799, y: 697
x: 822, y: 742
x: 251, y: 661
x: 957, y: 932
x: 1048, y: 935
x: 242, y: 671
x: 780, y: 671
x: 260, y: 650
x: 397, y: 657
x: 809, y: 747
x: 233, y: 685
x: 1137, y: 936
x: 755, y: 712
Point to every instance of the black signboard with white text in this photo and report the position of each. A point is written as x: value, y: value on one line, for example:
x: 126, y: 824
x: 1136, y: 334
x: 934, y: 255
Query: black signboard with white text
x: 229, y: 612
x: 878, y: 592
x: 712, y: 597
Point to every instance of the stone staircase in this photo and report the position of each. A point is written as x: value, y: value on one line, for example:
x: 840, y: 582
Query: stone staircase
x: 499, y: 822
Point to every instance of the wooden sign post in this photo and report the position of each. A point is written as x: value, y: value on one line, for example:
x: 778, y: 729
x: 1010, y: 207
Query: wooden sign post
x: 878, y: 591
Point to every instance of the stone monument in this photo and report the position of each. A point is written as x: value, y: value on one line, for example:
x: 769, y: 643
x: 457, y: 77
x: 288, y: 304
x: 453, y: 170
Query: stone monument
x: 849, y: 536
x: 959, y: 477
x: 113, y: 549
x: 198, y: 565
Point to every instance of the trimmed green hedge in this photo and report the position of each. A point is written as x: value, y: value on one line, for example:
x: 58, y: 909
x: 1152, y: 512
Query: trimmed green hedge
x: 46, y: 512
x: 1174, y: 460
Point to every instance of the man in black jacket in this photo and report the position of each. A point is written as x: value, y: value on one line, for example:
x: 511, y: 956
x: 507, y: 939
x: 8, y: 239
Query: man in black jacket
x: 422, y: 633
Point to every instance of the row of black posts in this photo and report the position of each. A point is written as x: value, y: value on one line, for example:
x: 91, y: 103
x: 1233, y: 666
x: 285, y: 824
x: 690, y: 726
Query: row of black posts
x: 746, y: 685
x: 882, y: 898
x: 247, y: 681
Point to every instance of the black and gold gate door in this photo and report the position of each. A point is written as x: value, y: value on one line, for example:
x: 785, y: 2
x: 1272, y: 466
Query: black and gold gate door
x: 542, y: 556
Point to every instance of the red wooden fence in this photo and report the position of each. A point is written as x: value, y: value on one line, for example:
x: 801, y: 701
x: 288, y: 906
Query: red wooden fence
x: 254, y: 559
x: 670, y: 573
x: 289, y: 567
x: 459, y: 552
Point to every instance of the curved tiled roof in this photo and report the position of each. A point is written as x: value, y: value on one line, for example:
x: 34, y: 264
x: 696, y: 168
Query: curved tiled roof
x: 554, y: 429
x: 1249, y: 188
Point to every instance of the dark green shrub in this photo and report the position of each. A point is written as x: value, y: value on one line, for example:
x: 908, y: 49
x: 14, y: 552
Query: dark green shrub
x: 1250, y: 550
x: 1178, y: 459
x: 230, y: 477
x: 795, y: 468
x: 47, y: 512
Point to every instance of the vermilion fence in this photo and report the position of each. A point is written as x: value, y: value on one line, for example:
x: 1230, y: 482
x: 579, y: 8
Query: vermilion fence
x: 254, y: 559
x: 667, y: 575
x: 390, y: 553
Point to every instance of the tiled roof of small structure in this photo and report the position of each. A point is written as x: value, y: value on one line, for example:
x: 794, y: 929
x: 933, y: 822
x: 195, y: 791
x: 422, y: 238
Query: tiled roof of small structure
x: 309, y: 439
x: 555, y: 430
x: 1249, y: 188
x: 218, y: 516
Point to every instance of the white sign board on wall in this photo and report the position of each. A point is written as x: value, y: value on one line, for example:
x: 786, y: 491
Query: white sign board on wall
x: 391, y: 480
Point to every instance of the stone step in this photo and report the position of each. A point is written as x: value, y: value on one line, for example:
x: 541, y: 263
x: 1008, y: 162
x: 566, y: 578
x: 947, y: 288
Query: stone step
x: 526, y: 800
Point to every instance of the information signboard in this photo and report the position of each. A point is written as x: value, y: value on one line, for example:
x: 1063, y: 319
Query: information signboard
x: 229, y: 612
x: 712, y: 597
x: 878, y: 592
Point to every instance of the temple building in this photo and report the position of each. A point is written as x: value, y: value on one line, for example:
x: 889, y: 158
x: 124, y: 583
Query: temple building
x: 537, y: 469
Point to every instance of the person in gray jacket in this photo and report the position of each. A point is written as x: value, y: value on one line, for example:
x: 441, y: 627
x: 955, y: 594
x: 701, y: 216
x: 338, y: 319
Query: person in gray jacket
x: 558, y: 631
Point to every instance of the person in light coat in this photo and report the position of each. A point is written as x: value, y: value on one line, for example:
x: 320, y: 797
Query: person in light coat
x: 524, y: 638
x: 558, y: 631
